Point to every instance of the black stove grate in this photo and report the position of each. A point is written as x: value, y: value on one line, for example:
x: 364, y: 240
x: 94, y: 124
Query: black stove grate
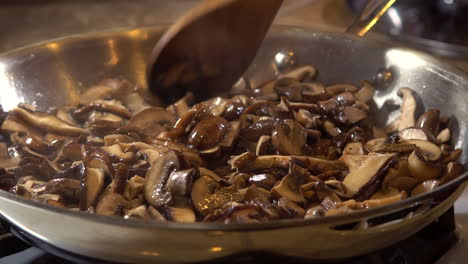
x: 424, y: 247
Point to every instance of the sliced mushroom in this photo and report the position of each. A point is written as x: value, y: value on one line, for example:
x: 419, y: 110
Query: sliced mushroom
x: 365, y: 93
x: 134, y: 187
x: 180, y: 214
x: 425, y: 186
x: 344, y: 207
x: 231, y: 135
x: 314, y: 92
x: 109, y: 106
x: 153, y: 121
x: 208, y: 132
x: 340, y: 88
x: 69, y: 188
x: 443, y: 136
x: 264, y: 146
x: 139, y: 212
x: 249, y: 161
x: 156, y: 178
x: 300, y: 73
x: 416, y: 133
x: 424, y: 161
x: 51, y: 199
x: 255, y: 194
x: 289, y: 138
x: 289, y: 186
x: 354, y: 148
x: 407, y: 109
x: 366, y: 173
x: 430, y: 121
x: 207, y: 194
x: 181, y: 107
x: 451, y: 171
x: 45, y: 122
x: 112, y: 204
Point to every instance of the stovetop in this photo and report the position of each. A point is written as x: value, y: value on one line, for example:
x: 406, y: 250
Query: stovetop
x: 426, y: 246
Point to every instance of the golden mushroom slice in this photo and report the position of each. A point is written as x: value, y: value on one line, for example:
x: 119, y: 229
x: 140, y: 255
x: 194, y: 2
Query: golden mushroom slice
x: 366, y: 171
x: 425, y: 162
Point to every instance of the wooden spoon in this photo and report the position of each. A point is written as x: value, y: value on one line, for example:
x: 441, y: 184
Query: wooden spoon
x: 208, y: 50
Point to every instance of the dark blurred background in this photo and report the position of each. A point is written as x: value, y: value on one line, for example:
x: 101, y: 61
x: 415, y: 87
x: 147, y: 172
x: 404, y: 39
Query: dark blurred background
x: 439, y: 27
x: 24, y: 22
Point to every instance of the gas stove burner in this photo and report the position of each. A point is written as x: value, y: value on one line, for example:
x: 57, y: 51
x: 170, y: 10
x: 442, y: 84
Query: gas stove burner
x: 437, y: 26
x: 425, y: 247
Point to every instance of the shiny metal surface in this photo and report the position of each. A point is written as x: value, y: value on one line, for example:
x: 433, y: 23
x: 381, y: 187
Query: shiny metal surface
x: 369, y: 15
x: 52, y: 73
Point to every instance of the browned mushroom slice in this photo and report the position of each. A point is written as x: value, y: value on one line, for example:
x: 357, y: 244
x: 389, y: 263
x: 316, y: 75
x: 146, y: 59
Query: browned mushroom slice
x: 69, y: 188
x: 255, y: 194
x: 134, y: 187
x: 112, y: 106
x: 157, y: 176
x: 290, y: 209
x: 231, y: 135
x: 416, y: 133
x: 264, y: 146
x: 45, y: 122
x: 117, y: 151
x: 251, y: 162
x: 29, y: 187
x: 425, y: 186
x: 155, y: 214
x: 354, y: 148
x: 50, y: 199
x: 101, y: 124
x: 314, y: 92
x: 289, y: 138
x: 300, y: 73
x: 425, y: 161
x: 110, y: 140
x: 407, y: 109
x: 350, y: 205
x: 140, y: 212
x: 443, y: 136
x: 289, y: 186
x: 380, y: 145
x: 399, y: 177
x: 260, y: 128
x: 208, y: 132
x: 180, y: 185
x: 306, y: 119
x: 181, y: 107
x: 331, y: 129
x: 153, y: 121
x: 7, y: 179
x: 180, y: 214
x: 289, y: 88
x: 112, y: 204
x: 365, y: 93
x: 106, y: 89
x: 366, y: 173
x: 430, y: 121
x: 351, y: 115
x: 340, y: 88
x: 207, y: 194
x: 451, y: 171
x: 184, y: 123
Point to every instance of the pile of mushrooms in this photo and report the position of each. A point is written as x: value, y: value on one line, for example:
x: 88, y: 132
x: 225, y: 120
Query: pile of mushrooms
x: 290, y: 148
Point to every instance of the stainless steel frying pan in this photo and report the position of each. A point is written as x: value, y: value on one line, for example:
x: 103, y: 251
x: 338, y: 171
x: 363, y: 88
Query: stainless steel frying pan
x: 52, y: 73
